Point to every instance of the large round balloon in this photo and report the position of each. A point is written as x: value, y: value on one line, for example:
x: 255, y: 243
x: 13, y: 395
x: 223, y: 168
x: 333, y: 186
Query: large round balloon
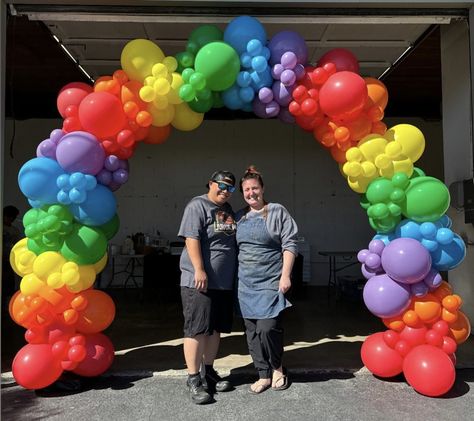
x: 101, y: 114
x: 80, y: 152
x: 85, y: 245
x: 406, y: 260
x: 185, y: 118
x: 241, y: 30
x: 37, y: 180
x: 98, y: 209
x: 384, y: 297
x: 429, y: 370
x: 99, y: 313
x: 205, y: 34
x: 343, y: 95
x: 35, y: 367
x: 138, y: 58
x: 219, y: 63
x: 72, y: 94
x: 379, y: 358
x: 285, y: 41
x: 100, y: 355
x: 342, y: 58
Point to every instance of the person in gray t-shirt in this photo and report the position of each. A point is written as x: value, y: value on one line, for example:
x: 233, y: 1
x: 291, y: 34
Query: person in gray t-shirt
x: 208, y: 268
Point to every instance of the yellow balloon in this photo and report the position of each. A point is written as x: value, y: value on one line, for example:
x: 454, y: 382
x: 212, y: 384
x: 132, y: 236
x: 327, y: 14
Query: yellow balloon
x: 31, y: 284
x: 173, y: 94
x: 55, y: 280
x: 87, y: 275
x: 21, y: 258
x: 138, y: 58
x: 410, y: 138
x: 147, y: 93
x: 371, y: 146
x: 100, y: 265
x: 161, y: 117
x: 186, y: 119
x: 171, y: 63
x: 47, y: 263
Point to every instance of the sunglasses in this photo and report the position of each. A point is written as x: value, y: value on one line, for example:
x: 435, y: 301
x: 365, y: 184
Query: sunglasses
x: 224, y: 187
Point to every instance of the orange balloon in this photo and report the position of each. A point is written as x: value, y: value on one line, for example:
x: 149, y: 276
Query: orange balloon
x: 443, y: 290
x: 461, y: 328
x: 378, y: 94
x: 99, y: 313
x: 428, y: 308
x: 157, y: 135
x: 360, y: 127
x: 394, y: 323
x: 337, y: 154
x: 378, y: 127
x: 342, y: 134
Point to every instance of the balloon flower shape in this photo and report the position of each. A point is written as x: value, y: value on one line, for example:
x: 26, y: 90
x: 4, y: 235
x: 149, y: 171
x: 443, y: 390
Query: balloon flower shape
x: 383, y: 156
x: 114, y: 173
x: 73, y: 188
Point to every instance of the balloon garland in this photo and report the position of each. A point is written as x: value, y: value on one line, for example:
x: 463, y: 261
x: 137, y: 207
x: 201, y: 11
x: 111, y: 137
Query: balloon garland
x: 70, y: 187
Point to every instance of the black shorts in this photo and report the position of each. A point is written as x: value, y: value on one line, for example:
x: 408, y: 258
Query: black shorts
x: 206, y: 312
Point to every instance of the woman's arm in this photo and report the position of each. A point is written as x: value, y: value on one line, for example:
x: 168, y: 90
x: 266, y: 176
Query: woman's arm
x: 288, y: 261
x: 194, y: 251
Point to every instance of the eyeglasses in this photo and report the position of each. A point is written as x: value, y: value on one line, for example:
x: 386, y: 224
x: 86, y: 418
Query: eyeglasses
x: 224, y: 187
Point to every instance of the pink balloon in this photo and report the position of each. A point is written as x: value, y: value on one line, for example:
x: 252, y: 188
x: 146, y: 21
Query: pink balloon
x: 342, y: 58
x: 35, y: 367
x: 72, y: 94
x: 100, y: 355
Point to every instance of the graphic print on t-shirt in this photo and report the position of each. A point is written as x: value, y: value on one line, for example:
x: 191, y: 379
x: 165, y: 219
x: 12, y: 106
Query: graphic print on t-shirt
x: 224, y: 222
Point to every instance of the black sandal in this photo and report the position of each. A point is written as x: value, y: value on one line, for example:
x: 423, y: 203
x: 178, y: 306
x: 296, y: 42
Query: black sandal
x: 283, y: 378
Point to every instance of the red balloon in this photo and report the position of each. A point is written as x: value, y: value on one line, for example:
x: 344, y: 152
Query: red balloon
x: 72, y: 94
x: 343, y: 96
x: 379, y: 358
x: 99, y: 357
x: 35, y: 367
x: 101, y: 114
x: 414, y: 336
x: 342, y: 58
x: 429, y: 370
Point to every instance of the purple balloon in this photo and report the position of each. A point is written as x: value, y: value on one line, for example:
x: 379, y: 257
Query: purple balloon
x: 112, y: 163
x: 433, y: 279
x: 376, y: 246
x: 419, y: 289
x: 362, y: 255
x: 56, y: 135
x: 104, y: 177
x: 288, y: 77
x: 285, y: 116
x: 282, y: 93
x: 46, y: 149
x: 265, y: 110
x: 277, y: 70
x: 265, y: 95
x: 120, y: 176
x: 289, y: 60
x: 384, y: 297
x: 373, y: 261
x: 285, y: 41
x: 80, y: 152
x: 406, y: 260
x: 299, y: 71
x: 369, y: 273
x: 123, y: 163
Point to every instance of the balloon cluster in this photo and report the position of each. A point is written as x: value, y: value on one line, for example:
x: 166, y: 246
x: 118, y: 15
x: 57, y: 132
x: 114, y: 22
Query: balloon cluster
x: 71, y: 181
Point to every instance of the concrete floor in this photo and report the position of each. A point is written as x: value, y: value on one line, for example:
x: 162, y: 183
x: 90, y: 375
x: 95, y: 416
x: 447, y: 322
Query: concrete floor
x: 321, y: 334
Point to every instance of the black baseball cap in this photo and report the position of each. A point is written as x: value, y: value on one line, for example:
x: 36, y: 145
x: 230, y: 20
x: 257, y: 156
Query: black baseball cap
x: 223, y: 176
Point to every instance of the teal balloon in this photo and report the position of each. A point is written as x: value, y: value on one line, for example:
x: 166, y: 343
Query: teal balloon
x: 85, y: 245
x: 110, y: 228
x: 427, y: 199
x: 219, y: 63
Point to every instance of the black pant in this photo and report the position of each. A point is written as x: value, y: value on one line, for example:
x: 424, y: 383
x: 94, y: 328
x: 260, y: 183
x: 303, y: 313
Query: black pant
x: 265, y: 342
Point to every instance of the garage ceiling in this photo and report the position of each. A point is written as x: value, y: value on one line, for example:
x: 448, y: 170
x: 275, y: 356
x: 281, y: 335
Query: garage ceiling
x: 95, y: 35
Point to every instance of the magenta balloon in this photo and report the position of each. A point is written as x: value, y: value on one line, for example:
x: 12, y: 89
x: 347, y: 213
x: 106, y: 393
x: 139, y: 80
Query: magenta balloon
x: 342, y: 58
x: 80, y: 152
x: 282, y: 93
x: 406, y: 260
x: 384, y: 297
x: 285, y: 41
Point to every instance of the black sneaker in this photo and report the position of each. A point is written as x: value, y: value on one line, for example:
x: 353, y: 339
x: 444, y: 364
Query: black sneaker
x: 196, y: 389
x: 214, y: 381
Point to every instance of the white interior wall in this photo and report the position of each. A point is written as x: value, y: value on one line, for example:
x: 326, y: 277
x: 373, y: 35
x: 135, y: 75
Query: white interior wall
x: 297, y: 171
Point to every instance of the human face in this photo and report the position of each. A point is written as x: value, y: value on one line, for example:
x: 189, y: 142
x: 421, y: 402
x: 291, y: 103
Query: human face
x: 253, y: 193
x: 218, y: 195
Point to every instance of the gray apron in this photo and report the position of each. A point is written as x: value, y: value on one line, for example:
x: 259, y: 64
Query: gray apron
x: 260, y: 267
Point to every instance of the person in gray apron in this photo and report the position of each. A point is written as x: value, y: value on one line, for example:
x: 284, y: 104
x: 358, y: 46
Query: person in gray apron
x: 267, y: 243
x: 208, y: 267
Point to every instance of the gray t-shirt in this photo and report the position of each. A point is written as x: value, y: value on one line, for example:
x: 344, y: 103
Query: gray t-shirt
x: 214, y: 226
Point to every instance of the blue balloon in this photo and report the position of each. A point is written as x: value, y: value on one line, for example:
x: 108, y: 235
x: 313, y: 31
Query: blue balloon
x: 247, y: 94
x: 263, y: 79
x: 231, y: 98
x: 98, y: 209
x: 241, y: 30
x: 37, y: 180
x: 447, y: 257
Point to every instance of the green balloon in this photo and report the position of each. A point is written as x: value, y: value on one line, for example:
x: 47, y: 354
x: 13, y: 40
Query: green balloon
x: 85, y: 245
x: 110, y: 228
x: 185, y: 60
x: 217, y: 100
x: 38, y: 247
x: 219, y: 63
x: 427, y: 199
x: 201, y: 105
x: 187, y: 92
x: 205, y: 34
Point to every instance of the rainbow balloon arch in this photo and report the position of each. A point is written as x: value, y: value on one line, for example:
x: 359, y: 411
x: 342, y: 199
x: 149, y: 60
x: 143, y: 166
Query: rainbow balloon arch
x: 70, y: 187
